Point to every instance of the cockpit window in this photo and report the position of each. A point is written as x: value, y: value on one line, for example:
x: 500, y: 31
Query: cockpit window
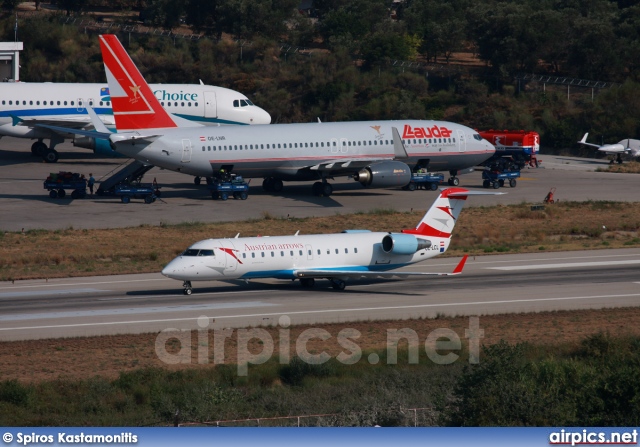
x: 477, y: 137
x: 236, y: 103
x: 195, y: 252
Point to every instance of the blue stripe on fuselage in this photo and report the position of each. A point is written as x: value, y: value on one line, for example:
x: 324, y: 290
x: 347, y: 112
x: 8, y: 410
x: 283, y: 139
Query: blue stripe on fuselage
x: 288, y: 273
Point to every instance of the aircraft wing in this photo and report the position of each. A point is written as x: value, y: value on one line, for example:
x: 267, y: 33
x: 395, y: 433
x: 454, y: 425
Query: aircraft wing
x: 348, y: 165
x: 311, y: 273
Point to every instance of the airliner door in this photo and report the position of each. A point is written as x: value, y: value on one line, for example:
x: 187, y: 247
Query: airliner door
x: 210, y: 105
x: 462, y: 141
x: 230, y: 255
x: 186, y: 151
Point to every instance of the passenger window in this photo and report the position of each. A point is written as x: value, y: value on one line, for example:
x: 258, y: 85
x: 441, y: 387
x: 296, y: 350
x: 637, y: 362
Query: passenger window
x: 355, y: 250
x: 300, y: 252
x: 336, y: 251
x: 291, y: 253
x: 262, y: 253
x: 281, y: 253
x: 272, y: 254
x: 244, y: 255
x: 30, y: 103
x: 328, y: 251
x: 253, y: 255
x: 346, y: 250
x: 318, y: 251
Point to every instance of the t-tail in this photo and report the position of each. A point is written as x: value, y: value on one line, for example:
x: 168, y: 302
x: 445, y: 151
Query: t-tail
x: 437, y: 224
x: 135, y: 107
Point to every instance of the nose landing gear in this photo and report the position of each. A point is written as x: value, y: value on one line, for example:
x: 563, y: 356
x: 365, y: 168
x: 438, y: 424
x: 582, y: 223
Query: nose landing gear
x: 187, y: 288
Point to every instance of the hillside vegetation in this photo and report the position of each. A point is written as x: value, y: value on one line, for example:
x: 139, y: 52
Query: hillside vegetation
x: 348, y: 60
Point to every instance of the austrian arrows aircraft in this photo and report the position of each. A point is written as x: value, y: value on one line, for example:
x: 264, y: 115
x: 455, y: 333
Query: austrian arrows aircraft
x: 372, y: 151
x: 24, y: 106
x: 629, y: 147
x: 337, y: 257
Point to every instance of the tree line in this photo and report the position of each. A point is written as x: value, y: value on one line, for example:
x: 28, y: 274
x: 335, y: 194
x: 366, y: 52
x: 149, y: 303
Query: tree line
x: 348, y: 68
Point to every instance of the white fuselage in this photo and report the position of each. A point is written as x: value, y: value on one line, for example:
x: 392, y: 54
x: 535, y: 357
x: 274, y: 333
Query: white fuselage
x: 280, y: 256
x: 65, y: 102
x: 293, y: 151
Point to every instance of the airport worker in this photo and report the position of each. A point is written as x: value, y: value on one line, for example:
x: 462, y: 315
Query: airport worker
x: 90, y: 183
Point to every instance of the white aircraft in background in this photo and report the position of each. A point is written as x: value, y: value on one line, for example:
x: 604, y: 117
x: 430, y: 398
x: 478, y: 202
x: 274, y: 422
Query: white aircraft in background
x: 372, y: 151
x: 337, y: 257
x: 26, y: 105
x: 629, y: 147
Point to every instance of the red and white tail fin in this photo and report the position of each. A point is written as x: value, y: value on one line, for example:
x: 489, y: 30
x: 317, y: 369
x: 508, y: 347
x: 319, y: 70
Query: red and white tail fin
x: 442, y: 216
x: 439, y: 221
x: 135, y: 107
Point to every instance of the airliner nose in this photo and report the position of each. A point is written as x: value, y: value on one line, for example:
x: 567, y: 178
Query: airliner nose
x: 173, y: 269
x: 261, y: 116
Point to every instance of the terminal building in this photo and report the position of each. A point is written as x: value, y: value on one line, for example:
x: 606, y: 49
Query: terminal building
x: 10, y: 61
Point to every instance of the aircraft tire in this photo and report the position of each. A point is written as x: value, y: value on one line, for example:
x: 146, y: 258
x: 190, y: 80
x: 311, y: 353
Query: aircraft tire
x: 277, y: 185
x: 187, y: 291
x: 197, y: 180
x: 455, y: 181
x: 338, y: 284
x: 327, y: 189
x: 317, y: 189
x: 307, y: 282
x: 38, y: 148
x: 267, y: 184
x: 50, y: 156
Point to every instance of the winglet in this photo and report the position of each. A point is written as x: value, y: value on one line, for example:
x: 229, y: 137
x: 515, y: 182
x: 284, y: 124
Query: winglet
x: 399, y: 150
x: 16, y: 120
x: 96, y: 121
x: 460, y: 266
x: 584, y: 139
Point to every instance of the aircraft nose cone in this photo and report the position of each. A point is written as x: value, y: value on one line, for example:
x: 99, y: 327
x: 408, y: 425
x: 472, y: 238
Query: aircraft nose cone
x: 173, y: 269
x: 261, y: 117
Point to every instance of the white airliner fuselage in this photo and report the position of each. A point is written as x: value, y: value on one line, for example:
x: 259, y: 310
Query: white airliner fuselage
x: 25, y: 104
x: 372, y: 152
x: 337, y: 257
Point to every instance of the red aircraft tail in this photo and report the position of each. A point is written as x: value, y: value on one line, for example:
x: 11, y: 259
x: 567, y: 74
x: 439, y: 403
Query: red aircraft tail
x: 135, y: 107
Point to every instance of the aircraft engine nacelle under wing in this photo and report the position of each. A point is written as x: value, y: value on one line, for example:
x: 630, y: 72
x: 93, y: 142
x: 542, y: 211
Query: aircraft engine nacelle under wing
x: 384, y: 174
x: 403, y: 244
x: 97, y: 145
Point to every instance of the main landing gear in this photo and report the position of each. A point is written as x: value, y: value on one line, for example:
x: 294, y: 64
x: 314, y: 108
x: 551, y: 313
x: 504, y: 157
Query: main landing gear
x: 338, y: 284
x: 187, y: 288
x: 40, y: 149
x: 322, y: 188
x: 271, y: 184
x: 453, y: 180
x: 618, y: 159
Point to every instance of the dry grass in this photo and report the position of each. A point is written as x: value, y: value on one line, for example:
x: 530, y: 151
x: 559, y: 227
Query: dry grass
x: 563, y: 226
x: 632, y: 167
x: 80, y: 358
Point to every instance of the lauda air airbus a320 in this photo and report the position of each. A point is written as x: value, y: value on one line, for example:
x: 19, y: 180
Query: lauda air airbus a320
x: 375, y: 153
x: 337, y: 257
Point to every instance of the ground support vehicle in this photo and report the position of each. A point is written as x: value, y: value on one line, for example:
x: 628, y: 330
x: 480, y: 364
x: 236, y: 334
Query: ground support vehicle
x: 144, y: 191
x: 57, y: 183
x: 426, y: 180
x: 514, y: 148
x: 496, y: 179
x: 224, y: 188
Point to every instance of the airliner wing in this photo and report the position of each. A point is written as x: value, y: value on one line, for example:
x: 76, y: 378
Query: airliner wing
x: 346, y: 164
x: 310, y: 273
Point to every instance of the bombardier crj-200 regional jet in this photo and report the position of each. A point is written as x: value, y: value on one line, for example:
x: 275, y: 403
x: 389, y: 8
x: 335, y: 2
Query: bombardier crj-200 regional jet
x: 337, y: 257
x: 372, y: 151
x: 27, y: 105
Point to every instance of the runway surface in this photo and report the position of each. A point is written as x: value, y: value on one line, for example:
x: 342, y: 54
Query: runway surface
x: 489, y: 285
x: 26, y: 205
